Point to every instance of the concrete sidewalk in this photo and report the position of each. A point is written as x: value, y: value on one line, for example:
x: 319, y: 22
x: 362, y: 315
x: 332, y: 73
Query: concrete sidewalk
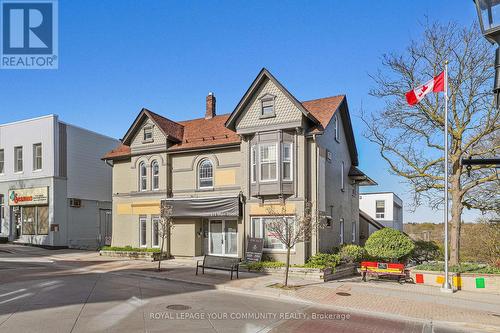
x: 469, y: 310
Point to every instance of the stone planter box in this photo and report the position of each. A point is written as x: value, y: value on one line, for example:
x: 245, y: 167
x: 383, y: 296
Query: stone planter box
x: 326, y: 274
x: 489, y: 283
x: 153, y: 256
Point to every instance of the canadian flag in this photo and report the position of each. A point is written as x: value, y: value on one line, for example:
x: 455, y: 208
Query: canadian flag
x: 436, y: 85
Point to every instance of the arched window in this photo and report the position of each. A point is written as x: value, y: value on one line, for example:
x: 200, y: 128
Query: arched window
x: 142, y: 177
x: 205, y: 174
x: 155, y: 175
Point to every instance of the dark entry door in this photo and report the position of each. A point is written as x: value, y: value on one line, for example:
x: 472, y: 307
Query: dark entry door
x: 105, y: 227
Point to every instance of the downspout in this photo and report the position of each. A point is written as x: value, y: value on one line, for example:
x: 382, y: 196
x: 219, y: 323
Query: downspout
x: 317, y: 191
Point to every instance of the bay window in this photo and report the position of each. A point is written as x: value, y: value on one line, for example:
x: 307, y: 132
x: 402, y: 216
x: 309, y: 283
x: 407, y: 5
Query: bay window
x: 287, y: 161
x: 253, y: 162
x: 268, y: 162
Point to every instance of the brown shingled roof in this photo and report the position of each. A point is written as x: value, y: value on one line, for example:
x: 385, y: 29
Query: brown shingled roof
x: 169, y: 127
x: 323, y: 109
x: 204, y: 133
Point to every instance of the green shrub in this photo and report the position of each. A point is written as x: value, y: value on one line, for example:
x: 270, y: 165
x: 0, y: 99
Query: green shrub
x: 128, y: 248
x: 425, y: 251
x: 323, y: 260
x: 260, y: 265
x: 462, y: 268
x: 389, y: 244
x: 352, y: 253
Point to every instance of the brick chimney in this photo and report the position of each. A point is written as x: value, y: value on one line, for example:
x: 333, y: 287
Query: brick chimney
x: 210, y: 111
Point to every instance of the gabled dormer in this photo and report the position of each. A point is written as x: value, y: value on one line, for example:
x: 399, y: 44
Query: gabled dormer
x: 268, y: 105
x: 152, y: 131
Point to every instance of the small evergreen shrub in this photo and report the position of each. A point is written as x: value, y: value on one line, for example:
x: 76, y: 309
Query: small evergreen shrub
x: 128, y: 248
x: 323, y: 260
x: 389, y: 244
x: 425, y: 251
x: 352, y: 253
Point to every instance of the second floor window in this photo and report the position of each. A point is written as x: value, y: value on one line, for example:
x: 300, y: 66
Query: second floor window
x: 18, y: 159
x: 206, y: 174
x: 253, y: 162
x: 287, y: 161
x: 142, y: 176
x: 2, y: 161
x: 268, y: 162
x: 37, y: 156
x: 155, y: 175
x: 380, y: 209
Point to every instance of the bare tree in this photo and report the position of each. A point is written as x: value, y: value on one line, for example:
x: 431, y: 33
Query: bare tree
x: 290, y: 230
x: 165, y: 226
x: 411, y: 138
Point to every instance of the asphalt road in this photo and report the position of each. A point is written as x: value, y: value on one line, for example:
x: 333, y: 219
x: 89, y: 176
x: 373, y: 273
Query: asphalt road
x: 40, y: 294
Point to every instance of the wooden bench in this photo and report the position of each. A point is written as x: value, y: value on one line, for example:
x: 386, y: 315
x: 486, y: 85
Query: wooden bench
x: 231, y: 264
x: 379, y: 269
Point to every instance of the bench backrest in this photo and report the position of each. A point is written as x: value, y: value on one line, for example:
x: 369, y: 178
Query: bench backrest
x: 373, y: 266
x: 217, y: 261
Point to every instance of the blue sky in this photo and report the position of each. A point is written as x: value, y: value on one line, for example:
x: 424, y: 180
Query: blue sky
x: 116, y: 57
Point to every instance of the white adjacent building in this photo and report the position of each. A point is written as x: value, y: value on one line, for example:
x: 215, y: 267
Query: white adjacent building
x: 384, y: 207
x: 54, y: 189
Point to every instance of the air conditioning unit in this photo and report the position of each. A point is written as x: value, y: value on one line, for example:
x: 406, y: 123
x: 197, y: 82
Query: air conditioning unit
x: 76, y: 203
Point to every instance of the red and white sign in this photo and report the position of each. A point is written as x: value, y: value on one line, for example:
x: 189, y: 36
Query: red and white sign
x: 29, y: 196
x: 435, y: 85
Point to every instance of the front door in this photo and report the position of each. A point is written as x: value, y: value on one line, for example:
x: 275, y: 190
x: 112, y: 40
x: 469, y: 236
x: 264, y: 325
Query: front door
x: 223, y: 237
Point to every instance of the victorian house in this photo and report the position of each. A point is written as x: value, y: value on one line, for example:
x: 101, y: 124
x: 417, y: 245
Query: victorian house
x: 221, y: 173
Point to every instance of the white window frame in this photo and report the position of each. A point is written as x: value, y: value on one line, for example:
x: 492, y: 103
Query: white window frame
x: 2, y: 161
x: 261, y: 225
x: 143, y: 219
x: 377, y: 214
x: 276, y: 162
x: 205, y: 178
x: 36, y: 157
x: 17, y: 160
x: 342, y: 177
x: 153, y: 176
x: 155, y: 219
x: 290, y: 161
x: 253, y: 164
x: 142, y: 177
x: 146, y: 131
x: 272, y: 106
x: 341, y: 230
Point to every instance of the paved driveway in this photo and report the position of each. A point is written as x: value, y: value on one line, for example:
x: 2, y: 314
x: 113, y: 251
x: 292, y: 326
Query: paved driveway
x: 65, y: 291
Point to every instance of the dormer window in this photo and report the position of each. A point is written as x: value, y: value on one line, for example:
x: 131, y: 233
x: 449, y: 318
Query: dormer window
x: 267, y: 106
x: 148, y: 134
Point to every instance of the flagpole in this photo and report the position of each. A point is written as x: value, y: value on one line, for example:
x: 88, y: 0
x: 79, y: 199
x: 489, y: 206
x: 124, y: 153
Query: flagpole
x: 447, y: 286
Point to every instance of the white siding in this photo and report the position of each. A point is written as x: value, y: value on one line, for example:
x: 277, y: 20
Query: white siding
x: 88, y: 176
x: 26, y: 133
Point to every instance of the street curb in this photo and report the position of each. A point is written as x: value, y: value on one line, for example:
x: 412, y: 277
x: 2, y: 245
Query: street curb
x: 458, y: 326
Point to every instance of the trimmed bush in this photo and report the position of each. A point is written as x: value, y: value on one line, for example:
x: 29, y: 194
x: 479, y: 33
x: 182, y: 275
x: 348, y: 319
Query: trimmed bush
x: 425, y: 251
x: 389, y: 244
x: 352, y: 253
x: 323, y: 260
x: 260, y: 265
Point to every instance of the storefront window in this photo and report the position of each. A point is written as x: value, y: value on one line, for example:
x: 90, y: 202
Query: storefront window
x: 42, y: 220
x: 259, y: 228
x: 28, y: 220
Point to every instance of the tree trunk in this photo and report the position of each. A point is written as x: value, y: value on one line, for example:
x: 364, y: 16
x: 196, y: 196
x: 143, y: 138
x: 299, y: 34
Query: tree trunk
x: 287, y: 266
x: 161, y: 254
x: 456, y: 217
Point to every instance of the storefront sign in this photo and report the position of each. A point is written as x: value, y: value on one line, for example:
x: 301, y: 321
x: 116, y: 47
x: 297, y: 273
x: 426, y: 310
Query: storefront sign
x: 29, y: 196
x: 254, y: 249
